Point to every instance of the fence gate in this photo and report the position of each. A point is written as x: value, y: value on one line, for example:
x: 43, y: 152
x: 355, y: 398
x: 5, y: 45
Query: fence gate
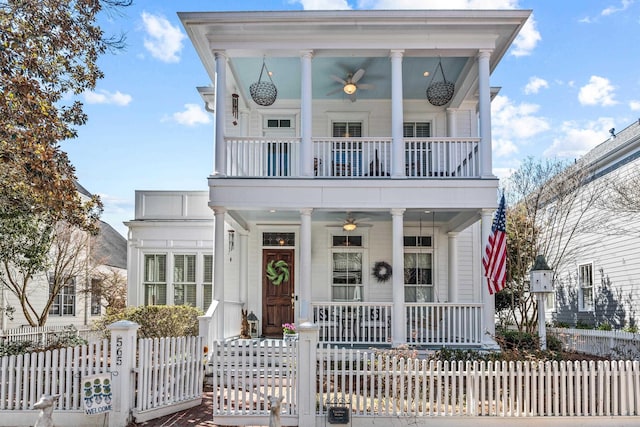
x: 169, y: 376
x: 246, y: 373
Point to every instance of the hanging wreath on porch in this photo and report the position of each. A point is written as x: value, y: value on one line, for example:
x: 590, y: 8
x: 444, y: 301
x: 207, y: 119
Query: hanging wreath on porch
x: 277, y: 272
x: 382, y: 271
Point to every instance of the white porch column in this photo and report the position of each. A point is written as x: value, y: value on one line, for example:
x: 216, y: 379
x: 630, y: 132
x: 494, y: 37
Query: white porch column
x: 397, y: 117
x: 484, y: 103
x: 452, y: 122
x: 306, y: 96
x: 243, y: 265
x: 304, y: 297
x: 488, y: 300
x: 398, y: 330
x: 218, y: 270
x: 220, y: 149
x: 453, y: 266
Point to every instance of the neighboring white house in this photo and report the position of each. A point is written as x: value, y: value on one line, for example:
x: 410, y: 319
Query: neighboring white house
x: 80, y: 301
x: 346, y: 171
x: 601, y: 283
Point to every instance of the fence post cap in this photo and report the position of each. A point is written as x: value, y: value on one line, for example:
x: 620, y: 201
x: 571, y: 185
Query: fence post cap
x: 123, y: 325
x: 309, y: 326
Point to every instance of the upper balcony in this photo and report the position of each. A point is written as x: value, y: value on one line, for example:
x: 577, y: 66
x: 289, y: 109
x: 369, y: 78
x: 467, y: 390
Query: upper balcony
x: 359, y: 158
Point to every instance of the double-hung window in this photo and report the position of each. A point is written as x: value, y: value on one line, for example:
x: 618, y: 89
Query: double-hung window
x: 155, y: 279
x: 416, y: 129
x: 346, y: 273
x: 184, y: 280
x: 418, y: 269
x: 207, y: 282
x: 96, y: 297
x: 64, y: 303
x: 585, y: 287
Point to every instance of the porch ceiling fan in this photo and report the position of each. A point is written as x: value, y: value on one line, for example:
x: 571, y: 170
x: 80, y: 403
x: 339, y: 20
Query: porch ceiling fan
x: 350, y: 85
x: 350, y: 224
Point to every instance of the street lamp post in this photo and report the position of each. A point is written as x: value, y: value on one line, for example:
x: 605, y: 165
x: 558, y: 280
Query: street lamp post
x: 541, y: 284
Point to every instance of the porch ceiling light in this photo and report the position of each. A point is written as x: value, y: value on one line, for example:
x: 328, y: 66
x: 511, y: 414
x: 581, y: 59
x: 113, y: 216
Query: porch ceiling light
x: 349, y: 226
x: 350, y: 88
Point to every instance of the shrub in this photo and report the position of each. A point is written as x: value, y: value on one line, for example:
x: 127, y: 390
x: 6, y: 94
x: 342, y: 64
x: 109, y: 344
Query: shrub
x: 606, y: 326
x: 156, y: 321
x: 15, y: 348
x: 523, y: 341
x: 581, y: 324
x: 553, y: 343
x: 630, y: 328
x: 459, y: 355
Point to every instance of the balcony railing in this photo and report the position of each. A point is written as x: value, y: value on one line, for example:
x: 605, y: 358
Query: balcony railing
x: 427, y: 324
x: 359, y: 158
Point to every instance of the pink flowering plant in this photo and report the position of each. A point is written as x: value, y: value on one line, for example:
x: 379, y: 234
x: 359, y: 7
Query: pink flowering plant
x: 288, y: 328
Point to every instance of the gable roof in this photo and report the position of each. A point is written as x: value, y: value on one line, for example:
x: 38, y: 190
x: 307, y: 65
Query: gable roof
x: 111, y: 248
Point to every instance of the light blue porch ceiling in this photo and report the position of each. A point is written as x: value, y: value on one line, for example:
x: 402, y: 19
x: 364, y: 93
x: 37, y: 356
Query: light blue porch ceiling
x: 286, y: 75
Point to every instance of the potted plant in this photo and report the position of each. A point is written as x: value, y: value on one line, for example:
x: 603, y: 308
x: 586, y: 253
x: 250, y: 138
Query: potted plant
x: 289, y: 332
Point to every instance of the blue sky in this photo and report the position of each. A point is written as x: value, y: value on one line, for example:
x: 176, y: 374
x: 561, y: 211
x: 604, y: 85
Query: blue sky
x: 570, y: 77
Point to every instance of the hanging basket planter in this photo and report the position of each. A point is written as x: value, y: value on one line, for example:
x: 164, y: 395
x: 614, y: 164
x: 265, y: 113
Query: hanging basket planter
x: 439, y: 93
x: 263, y: 92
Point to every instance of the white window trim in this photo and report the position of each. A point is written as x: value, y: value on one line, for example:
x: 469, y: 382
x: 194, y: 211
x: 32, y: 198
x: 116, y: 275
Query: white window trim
x: 362, y: 117
x: 581, y: 307
x: 361, y: 231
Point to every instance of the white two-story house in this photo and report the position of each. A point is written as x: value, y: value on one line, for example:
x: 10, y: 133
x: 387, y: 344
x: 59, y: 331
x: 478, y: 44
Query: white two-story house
x: 352, y: 183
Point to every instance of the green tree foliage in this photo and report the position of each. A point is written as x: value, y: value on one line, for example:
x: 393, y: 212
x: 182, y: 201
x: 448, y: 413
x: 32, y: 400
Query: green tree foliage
x: 156, y: 321
x: 48, y: 56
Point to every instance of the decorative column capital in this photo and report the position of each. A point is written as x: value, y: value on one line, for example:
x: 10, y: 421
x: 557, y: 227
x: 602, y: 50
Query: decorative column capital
x: 218, y: 210
x: 485, y: 53
x: 396, y: 53
x: 306, y: 211
x: 306, y: 54
x: 397, y: 211
x: 220, y: 54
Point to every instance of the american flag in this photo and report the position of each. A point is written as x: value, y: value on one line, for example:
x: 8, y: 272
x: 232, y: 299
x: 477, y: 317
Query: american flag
x: 495, y: 254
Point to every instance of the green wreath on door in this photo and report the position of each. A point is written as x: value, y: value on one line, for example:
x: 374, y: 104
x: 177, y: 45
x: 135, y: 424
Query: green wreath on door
x: 277, y: 272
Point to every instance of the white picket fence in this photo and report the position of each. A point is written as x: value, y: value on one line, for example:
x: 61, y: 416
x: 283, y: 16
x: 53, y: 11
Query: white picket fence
x: 44, y: 335
x: 247, y: 372
x: 170, y: 371
x: 26, y: 377
x: 373, y: 385
x: 163, y: 375
x: 617, y: 344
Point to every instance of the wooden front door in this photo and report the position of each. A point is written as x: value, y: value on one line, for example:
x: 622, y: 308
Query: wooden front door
x: 277, y: 290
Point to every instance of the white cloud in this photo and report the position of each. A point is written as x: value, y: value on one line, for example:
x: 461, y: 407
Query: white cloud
x: 599, y: 91
x: 192, y: 115
x: 576, y: 138
x: 527, y: 39
x: 535, y: 84
x: 634, y: 105
x: 106, y: 97
x: 323, y: 4
x: 514, y: 124
x: 163, y: 40
x: 624, y: 4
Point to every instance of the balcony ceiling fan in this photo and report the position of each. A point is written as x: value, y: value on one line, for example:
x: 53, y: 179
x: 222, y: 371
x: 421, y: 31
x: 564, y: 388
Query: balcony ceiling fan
x: 350, y: 85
